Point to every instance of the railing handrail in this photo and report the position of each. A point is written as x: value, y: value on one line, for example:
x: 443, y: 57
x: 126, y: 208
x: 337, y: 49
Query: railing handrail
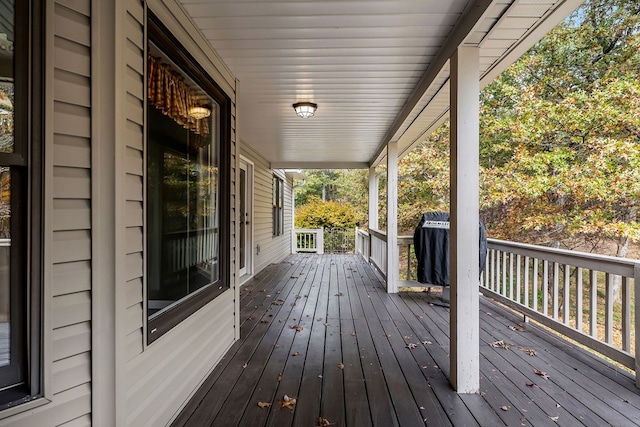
x: 604, y: 263
x: 378, y: 234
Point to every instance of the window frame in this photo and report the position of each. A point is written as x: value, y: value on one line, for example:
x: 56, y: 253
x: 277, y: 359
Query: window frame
x: 158, y: 34
x: 278, y: 205
x: 26, y: 207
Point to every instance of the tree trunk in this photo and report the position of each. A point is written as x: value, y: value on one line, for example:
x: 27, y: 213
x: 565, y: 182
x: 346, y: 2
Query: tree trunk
x: 623, y: 248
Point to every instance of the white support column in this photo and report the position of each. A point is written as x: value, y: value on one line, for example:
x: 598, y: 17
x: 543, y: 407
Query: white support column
x: 373, y: 199
x: 464, y: 239
x: 392, y: 217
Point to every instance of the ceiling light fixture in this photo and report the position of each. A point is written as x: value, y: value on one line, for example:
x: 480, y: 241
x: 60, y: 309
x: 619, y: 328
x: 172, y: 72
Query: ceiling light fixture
x: 199, y: 112
x: 305, y: 109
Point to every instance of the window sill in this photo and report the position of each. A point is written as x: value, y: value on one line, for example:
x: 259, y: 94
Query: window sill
x: 23, y: 407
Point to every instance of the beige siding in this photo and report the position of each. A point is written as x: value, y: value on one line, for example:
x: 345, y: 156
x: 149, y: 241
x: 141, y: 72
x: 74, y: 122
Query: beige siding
x: 272, y: 248
x: 71, y: 248
x: 68, y: 326
x: 170, y: 369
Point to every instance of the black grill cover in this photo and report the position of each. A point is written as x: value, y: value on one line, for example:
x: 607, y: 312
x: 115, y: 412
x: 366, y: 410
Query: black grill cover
x: 431, y: 243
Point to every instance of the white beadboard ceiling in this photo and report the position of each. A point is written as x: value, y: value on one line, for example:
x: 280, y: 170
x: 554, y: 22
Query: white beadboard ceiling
x: 378, y: 69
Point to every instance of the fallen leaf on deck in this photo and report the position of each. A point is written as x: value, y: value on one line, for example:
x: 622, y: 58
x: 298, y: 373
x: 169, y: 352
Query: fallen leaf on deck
x: 407, y: 337
x: 287, y: 402
x: 322, y: 422
x: 529, y: 351
x: 341, y: 365
x: 418, y: 316
x: 426, y: 342
x: 500, y: 344
x: 504, y: 408
x: 517, y: 328
x: 264, y: 404
x: 297, y: 353
x: 268, y: 296
x: 339, y: 294
x: 279, y: 377
x: 557, y: 405
x: 298, y: 328
x: 326, y: 324
x: 554, y: 418
x: 320, y: 376
x: 244, y: 366
x: 532, y: 385
x: 264, y: 321
x: 353, y: 334
x: 541, y: 373
x: 422, y: 408
x: 276, y: 345
x: 411, y: 345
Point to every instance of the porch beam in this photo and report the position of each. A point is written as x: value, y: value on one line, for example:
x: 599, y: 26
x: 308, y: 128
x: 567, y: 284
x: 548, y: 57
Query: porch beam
x: 392, y: 217
x: 464, y: 239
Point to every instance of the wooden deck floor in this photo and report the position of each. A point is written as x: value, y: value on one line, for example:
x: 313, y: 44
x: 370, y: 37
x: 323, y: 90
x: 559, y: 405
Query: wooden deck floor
x: 322, y: 329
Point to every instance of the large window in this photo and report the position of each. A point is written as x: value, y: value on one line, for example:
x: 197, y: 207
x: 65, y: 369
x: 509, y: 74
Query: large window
x: 20, y: 202
x: 187, y: 162
x: 278, y: 206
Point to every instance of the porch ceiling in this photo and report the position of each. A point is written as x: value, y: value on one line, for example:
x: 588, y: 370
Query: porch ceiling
x: 378, y: 69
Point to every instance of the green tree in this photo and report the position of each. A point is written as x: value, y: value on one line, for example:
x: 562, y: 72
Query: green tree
x: 317, y: 213
x: 338, y: 185
x: 560, y: 134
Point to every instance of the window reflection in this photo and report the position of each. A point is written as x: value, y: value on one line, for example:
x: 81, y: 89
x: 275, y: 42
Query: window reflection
x: 6, y: 146
x: 182, y: 195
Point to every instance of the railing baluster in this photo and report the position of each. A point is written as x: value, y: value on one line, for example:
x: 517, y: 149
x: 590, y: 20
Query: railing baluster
x: 510, y: 276
x: 566, y: 311
x: 409, y: 262
x: 493, y: 270
x: 535, y: 284
x: 626, y: 315
x: 579, y: 299
x: 526, y: 281
x: 504, y: 274
x: 608, y: 312
x: 636, y: 329
x: 518, y: 280
x: 556, y: 285
x: 545, y: 287
x: 593, y: 311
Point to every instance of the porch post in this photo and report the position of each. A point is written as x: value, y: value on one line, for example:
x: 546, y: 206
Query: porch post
x: 464, y: 234
x: 392, y: 217
x: 373, y: 199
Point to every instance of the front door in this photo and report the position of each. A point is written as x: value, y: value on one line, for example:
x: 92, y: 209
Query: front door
x: 245, y: 186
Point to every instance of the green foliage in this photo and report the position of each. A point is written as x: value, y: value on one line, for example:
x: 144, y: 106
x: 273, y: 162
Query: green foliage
x: 316, y: 213
x: 343, y: 186
x: 561, y: 132
x: 423, y: 180
x: 560, y: 139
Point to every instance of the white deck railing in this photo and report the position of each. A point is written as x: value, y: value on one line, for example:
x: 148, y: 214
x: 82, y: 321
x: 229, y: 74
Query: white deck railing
x: 363, y: 243
x: 571, y: 292
x: 551, y: 286
x: 308, y: 240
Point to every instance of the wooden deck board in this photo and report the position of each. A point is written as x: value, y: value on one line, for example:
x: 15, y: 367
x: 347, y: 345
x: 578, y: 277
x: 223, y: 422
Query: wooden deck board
x: 350, y: 363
